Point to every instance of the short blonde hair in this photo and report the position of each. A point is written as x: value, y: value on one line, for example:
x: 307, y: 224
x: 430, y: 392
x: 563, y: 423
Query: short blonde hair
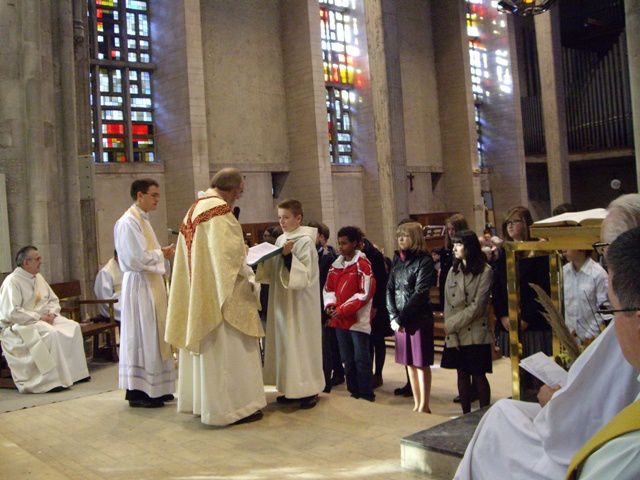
x: 413, y: 230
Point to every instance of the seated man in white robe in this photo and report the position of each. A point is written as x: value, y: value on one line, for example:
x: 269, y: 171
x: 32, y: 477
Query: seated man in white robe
x: 614, y: 451
x: 517, y: 439
x: 43, y: 349
x: 108, y: 285
x: 213, y: 311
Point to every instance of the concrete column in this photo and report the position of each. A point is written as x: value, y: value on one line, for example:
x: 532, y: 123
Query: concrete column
x: 553, y: 107
x: 386, y: 92
x: 37, y: 154
x: 460, y: 160
x: 181, y: 119
x: 309, y: 178
x: 632, y: 31
x: 84, y: 159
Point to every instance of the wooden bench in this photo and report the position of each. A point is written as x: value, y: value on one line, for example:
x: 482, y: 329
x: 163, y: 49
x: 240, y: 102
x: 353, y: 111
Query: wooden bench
x: 71, y: 303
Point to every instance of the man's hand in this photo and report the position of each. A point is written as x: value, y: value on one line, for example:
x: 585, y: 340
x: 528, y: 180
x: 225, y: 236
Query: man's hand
x: 287, y: 248
x: 505, y: 322
x: 48, y: 317
x: 545, y: 393
x: 395, y: 326
x: 169, y: 251
x: 331, y: 311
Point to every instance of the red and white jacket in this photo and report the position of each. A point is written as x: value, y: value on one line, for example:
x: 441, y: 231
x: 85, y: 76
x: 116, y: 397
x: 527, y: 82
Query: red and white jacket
x: 350, y: 287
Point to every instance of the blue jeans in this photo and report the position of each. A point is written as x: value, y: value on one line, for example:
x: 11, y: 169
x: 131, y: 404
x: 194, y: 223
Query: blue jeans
x: 354, y: 351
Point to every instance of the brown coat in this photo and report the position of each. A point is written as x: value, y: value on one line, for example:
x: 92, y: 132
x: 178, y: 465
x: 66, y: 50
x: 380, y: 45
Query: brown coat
x: 465, y: 308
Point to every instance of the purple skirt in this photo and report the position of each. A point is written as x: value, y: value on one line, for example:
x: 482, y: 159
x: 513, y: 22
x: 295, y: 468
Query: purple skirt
x: 416, y: 349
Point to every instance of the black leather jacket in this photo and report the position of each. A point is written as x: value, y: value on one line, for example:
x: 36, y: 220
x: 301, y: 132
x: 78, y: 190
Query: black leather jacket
x: 408, y: 290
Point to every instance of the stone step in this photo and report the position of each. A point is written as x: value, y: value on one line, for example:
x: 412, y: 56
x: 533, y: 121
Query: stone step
x: 437, y: 451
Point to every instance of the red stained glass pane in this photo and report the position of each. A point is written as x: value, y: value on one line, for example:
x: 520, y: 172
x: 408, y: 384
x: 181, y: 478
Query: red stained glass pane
x: 99, y: 13
x: 140, y: 129
x: 115, y: 128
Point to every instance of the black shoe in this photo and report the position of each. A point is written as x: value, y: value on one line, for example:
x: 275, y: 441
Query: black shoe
x: 146, y: 403
x: 404, y: 391
x: 83, y: 380
x: 376, y: 381
x: 59, y: 388
x: 167, y: 398
x: 327, y: 388
x: 369, y: 398
x: 355, y: 395
x: 308, y: 402
x: 254, y: 417
x: 285, y: 400
x: 337, y: 381
x: 474, y: 398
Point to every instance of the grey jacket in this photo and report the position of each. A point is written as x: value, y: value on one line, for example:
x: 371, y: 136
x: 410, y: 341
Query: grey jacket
x: 465, y: 308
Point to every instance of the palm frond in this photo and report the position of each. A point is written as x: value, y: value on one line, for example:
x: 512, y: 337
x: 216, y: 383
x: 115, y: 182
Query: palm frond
x: 554, y: 317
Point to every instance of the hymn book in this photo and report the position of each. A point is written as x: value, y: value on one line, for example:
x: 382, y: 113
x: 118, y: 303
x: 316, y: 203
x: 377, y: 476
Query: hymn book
x: 545, y: 369
x: 261, y: 252
x: 586, y: 217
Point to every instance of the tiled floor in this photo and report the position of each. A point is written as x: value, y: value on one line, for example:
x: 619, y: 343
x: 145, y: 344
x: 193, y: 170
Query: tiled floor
x: 100, y: 437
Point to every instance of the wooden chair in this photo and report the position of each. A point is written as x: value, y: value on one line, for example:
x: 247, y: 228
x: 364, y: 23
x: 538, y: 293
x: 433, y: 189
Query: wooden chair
x: 71, y: 302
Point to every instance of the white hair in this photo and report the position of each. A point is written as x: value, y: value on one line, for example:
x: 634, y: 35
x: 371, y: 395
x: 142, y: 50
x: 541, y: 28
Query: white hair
x: 623, y: 214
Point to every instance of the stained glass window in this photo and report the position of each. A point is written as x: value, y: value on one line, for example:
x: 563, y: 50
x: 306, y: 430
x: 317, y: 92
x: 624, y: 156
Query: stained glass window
x: 121, y: 71
x: 340, y: 52
x: 487, y: 68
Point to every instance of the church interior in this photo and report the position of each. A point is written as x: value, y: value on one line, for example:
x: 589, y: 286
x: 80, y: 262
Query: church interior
x: 367, y: 111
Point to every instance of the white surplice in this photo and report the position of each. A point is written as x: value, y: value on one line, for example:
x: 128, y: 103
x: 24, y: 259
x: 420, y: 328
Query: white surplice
x: 520, y: 440
x: 108, y: 285
x: 141, y: 365
x: 41, y: 356
x: 213, y: 317
x: 293, y: 352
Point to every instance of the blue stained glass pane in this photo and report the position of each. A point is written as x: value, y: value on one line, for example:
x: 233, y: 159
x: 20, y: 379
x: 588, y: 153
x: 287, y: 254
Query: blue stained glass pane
x: 139, y: 102
x: 131, y: 23
x: 143, y: 26
x: 144, y: 57
x: 145, y: 81
x: 133, y: 57
x: 137, y: 5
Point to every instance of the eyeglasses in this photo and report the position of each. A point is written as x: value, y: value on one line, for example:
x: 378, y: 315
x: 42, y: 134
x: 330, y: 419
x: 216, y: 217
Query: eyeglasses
x: 600, y: 248
x: 615, y: 310
x: 513, y: 222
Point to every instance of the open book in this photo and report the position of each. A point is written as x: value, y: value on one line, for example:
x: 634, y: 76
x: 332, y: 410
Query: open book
x: 261, y: 252
x: 545, y: 369
x: 586, y: 217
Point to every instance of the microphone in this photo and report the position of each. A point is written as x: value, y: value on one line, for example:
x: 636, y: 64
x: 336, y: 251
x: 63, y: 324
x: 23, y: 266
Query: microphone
x: 236, y: 212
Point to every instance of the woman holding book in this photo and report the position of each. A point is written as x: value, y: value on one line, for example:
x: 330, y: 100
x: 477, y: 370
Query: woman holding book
x: 468, y: 341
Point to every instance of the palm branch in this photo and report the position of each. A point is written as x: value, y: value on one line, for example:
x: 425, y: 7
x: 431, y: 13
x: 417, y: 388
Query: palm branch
x: 554, y: 317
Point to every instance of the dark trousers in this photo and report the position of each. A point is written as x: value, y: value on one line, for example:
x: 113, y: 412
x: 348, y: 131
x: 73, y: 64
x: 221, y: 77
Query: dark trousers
x: 331, y: 363
x: 354, y: 350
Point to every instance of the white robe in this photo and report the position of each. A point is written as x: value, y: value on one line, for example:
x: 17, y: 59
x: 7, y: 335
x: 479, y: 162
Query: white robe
x: 141, y: 365
x: 213, y: 318
x: 520, y: 440
x: 41, y: 356
x: 293, y: 352
x: 108, y: 285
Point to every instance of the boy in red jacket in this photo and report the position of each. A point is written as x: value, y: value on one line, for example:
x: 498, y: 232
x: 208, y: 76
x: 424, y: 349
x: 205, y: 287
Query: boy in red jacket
x: 347, y: 298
